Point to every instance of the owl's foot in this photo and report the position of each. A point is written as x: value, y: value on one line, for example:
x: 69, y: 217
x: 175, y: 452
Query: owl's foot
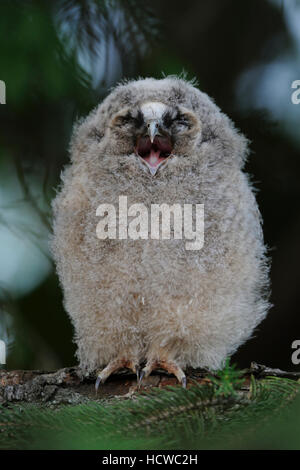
x: 114, y: 366
x: 170, y: 366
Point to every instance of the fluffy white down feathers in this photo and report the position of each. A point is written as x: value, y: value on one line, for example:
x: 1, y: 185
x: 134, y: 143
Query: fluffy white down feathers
x: 153, y: 301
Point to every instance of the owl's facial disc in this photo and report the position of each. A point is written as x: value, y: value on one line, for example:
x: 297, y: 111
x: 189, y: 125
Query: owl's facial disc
x: 154, y: 151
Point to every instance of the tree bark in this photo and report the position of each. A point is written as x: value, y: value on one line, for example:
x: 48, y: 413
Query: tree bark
x: 69, y: 386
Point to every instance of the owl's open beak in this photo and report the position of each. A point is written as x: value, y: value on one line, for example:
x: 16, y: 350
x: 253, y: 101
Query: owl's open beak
x: 152, y: 129
x: 154, y: 153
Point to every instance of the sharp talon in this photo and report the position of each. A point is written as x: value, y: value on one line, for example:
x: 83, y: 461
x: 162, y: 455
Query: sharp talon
x: 137, y: 373
x: 142, y: 375
x: 183, y: 382
x: 98, y: 381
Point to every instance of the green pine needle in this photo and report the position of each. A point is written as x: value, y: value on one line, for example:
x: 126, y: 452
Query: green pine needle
x: 213, y: 415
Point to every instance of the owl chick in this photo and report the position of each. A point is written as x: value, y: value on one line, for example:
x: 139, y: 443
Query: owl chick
x: 152, y: 302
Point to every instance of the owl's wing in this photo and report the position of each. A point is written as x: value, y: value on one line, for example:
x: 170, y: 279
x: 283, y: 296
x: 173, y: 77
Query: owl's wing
x: 69, y: 209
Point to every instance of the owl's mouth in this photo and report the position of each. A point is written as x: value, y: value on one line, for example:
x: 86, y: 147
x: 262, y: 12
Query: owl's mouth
x: 155, y: 153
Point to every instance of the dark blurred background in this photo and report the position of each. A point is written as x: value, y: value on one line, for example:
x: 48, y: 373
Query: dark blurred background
x: 60, y: 58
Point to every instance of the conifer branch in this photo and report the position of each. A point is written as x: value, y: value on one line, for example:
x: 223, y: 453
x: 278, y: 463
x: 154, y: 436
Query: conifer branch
x: 69, y: 385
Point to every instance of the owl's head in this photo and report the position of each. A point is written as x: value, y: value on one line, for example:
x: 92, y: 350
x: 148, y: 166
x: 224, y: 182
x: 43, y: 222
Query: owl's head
x: 146, y: 124
x: 154, y: 132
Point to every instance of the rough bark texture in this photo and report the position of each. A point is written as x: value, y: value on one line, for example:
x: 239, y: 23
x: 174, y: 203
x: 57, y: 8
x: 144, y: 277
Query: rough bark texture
x: 68, y: 386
